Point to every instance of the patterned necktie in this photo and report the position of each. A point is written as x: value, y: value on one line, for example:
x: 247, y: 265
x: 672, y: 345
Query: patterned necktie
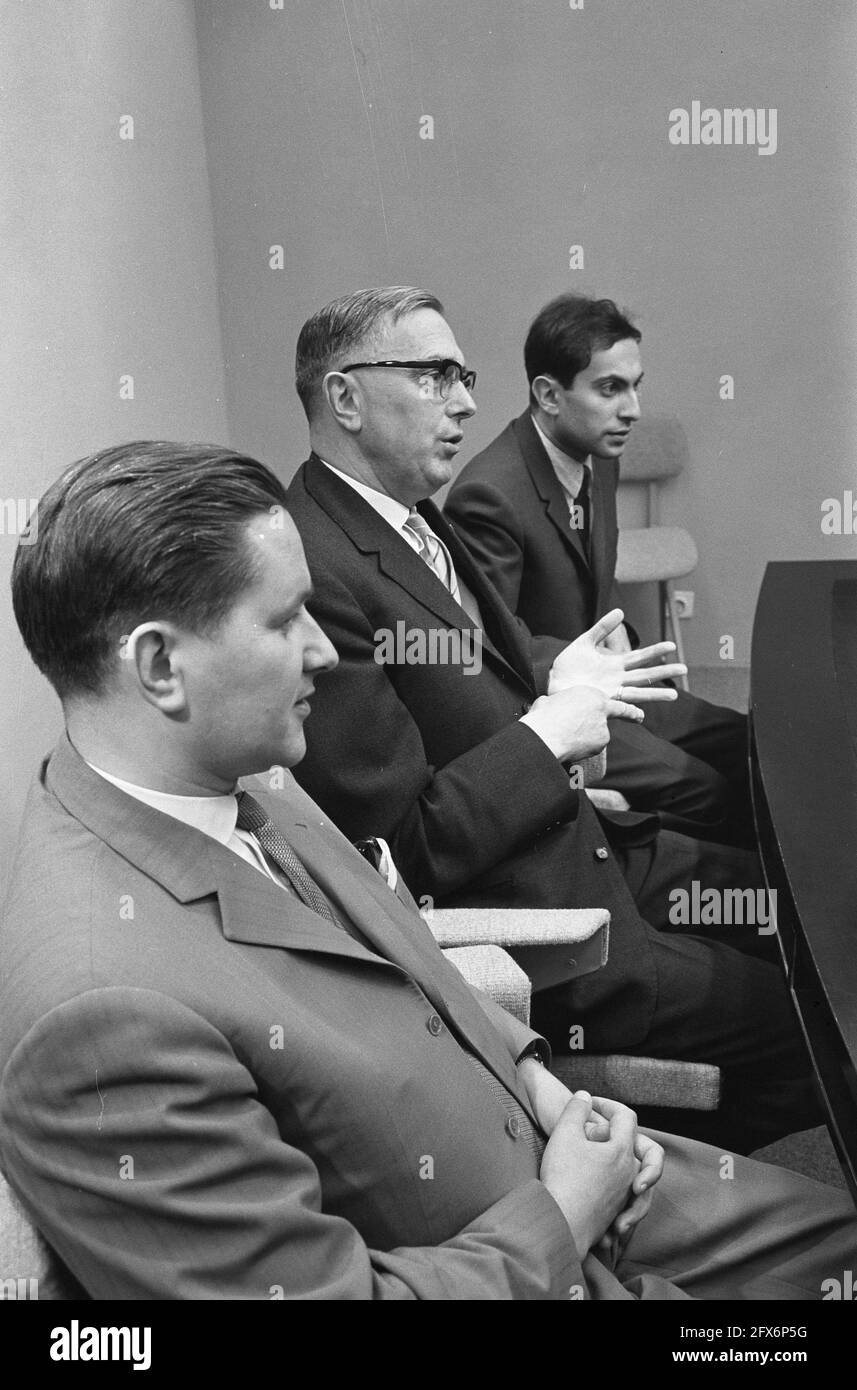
x: 252, y: 817
x: 433, y: 551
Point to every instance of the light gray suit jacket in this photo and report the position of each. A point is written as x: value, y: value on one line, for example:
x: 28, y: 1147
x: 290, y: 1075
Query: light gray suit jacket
x: 209, y: 1092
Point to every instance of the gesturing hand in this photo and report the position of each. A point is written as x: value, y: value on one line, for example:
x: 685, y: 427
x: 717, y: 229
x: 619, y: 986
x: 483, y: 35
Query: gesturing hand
x: 620, y: 675
x: 573, y: 722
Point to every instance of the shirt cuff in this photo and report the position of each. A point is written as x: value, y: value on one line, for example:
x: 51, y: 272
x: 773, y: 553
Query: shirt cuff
x: 537, y: 1048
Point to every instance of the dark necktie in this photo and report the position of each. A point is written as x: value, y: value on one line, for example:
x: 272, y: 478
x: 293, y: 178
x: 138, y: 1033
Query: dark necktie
x: 583, y: 500
x: 252, y: 817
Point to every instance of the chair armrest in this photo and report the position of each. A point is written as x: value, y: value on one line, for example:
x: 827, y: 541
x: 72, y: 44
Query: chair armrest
x: 642, y: 1080
x: 492, y: 970
x: 515, y: 926
x: 549, y: 944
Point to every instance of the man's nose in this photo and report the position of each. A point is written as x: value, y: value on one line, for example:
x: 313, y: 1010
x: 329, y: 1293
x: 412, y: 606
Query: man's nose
x: 630, y: 408
x: 460, y: 402
x: 319, y: 653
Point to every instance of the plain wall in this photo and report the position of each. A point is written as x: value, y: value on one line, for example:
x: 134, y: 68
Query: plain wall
x: 551, y: 129
x: 300, y: 127
x: 106, y: 268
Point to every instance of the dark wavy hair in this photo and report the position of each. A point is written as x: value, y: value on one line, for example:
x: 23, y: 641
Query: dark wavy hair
x: 565, y: 333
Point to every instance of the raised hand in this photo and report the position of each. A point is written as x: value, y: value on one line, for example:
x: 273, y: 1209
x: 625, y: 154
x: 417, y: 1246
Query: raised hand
x: 620, y: 675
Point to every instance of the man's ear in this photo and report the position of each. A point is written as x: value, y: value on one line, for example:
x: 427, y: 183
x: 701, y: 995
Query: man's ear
x: 342, y: 394
x: 544, y: 391
x: 151, y: 647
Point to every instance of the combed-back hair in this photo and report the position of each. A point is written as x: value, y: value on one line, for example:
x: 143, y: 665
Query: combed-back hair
x: 143, y: 531
x: 565, y: 333
x: 329, y: 338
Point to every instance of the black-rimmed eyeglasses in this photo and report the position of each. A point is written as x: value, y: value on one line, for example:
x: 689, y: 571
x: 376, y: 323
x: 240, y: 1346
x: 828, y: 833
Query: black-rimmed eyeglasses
x: 444, y: 370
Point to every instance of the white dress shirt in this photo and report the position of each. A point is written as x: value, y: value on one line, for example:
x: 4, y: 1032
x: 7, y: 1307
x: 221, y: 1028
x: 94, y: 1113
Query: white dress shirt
x: 216, y: 816
x: 213, y: 815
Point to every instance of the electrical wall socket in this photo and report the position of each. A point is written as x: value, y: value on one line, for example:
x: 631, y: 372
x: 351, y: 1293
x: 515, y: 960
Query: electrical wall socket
x: 684, y: 602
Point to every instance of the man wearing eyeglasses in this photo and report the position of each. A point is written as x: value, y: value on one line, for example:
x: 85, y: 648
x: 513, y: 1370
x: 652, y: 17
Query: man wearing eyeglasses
x: 473, y: 777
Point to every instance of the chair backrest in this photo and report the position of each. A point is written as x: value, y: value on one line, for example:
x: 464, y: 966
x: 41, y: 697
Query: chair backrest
x: 657, y: 448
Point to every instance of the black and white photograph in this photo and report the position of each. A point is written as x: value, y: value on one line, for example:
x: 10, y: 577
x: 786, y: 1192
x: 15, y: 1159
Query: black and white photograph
x: 428, y: 527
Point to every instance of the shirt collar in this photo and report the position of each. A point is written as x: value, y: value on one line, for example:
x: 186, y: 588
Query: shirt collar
x: 213, y: 815
x: 568, y: 470
x: 393, y: 512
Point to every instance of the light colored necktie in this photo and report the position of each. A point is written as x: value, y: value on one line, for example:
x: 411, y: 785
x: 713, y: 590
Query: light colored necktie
x: 433, y: 551
x: 252, y: 817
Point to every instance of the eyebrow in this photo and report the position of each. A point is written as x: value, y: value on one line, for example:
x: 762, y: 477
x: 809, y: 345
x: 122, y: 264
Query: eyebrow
x: 614, y: 376
x: 298, y: 601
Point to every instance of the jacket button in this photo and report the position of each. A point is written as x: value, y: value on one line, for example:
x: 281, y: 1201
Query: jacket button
x: 602, y: 853
x: 435, y: 1024
x: 513, y: 1127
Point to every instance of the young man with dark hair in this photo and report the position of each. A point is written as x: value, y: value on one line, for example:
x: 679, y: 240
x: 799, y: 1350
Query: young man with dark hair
x: 537, y: 509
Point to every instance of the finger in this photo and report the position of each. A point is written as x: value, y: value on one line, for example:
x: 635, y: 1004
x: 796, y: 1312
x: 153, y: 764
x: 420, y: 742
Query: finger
x: 606, y: 625
x: 597, y: 1129
x: 623, y: 1120
x: 653, y: 675
x: 651, y: 1156
x: 648, y: 656
x: 604, y: 1105
x: 576, y: 1113
x: 647, y: 695
x: 632, y: 1215
x: 617, y: 709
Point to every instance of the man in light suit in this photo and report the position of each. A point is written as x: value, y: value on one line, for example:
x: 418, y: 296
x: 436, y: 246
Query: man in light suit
x: 537, y: 509
x: 465, y: 771
x: 233, y: 1063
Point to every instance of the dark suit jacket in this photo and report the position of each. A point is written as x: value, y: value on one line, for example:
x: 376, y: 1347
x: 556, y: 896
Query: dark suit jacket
x: 208, y: 1092
x: 434, y: 757
x: 508, y: 506
x: 499, y: 504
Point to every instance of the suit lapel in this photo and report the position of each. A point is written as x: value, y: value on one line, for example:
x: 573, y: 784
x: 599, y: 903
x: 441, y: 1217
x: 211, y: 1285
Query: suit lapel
x: 548, y: 486
x: 392, y: 927
x: 372, y: 535
x: 189, y: 864
x: 254, y: 911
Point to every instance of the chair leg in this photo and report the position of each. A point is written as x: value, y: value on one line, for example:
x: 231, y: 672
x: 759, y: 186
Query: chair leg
x: 662, y: 605
x: 670, y: 606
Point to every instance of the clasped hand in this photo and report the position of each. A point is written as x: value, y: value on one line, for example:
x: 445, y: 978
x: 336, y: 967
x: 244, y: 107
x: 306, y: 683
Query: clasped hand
x: 598, y: 1167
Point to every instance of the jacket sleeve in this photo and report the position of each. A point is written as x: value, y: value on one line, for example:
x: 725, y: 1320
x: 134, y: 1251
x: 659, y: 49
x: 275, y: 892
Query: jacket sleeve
x: 141, y: 1145
x: 447, y: 826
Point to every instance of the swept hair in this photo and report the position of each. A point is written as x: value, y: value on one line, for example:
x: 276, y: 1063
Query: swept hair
x: 331, y: 335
